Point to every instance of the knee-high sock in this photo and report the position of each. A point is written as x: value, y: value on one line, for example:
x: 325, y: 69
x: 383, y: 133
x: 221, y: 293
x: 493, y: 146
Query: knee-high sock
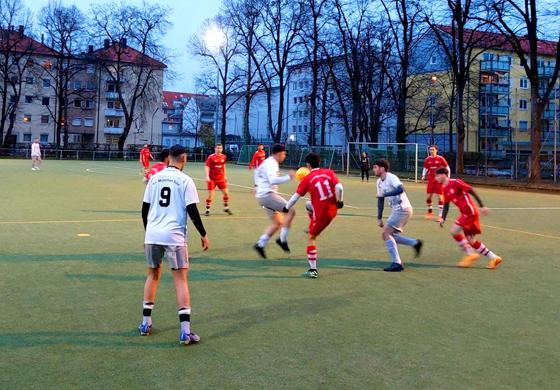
x: 483, y: 250
x: 393, y: 250
x: 440, y: 205
x: 312, y: 256
x: 147, y: 308
x: 429, y: 203
x: 226, y: 201
x: 284, y: 234
x: 463, y: 244
x: 403, y: 240
x: 185, y: 319
x: 208, y: 203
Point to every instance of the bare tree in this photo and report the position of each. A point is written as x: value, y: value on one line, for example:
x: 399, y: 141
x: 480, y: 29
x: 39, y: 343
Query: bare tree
x: 133, y: 57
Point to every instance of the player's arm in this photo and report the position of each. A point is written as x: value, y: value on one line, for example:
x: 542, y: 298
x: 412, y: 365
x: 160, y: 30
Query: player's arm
x: 225, y: 172
x: 194, y: 215
x: 253, y: 161
x: 397, y: 191
x: 339, y: 193
x: 479, y: 201
x: 300, y: 191
x: 424, y: 173
x: 293, y: 200
x: 145, y: 212
x: 207, y: 170
x: 444, y: 213
x: 380, y: 207
x: 274, y: 179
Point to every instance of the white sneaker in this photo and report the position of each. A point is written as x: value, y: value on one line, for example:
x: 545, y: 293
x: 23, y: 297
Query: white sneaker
x: 33, y: 168
x: 37, y: 169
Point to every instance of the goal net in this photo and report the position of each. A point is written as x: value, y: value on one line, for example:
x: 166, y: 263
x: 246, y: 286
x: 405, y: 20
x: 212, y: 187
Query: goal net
x: 331, y: 156
x: 404, y: 158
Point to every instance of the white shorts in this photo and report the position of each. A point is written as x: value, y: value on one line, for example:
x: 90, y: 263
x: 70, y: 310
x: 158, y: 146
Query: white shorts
x: 398, y: 219
x: 177, y: 256
x: 272, y: 203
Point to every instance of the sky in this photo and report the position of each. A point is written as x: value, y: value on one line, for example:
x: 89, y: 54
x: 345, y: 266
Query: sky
x: 186, y: 17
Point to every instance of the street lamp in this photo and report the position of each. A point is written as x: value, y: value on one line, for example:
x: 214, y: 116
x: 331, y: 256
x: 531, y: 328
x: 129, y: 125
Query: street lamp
x: 214, y: 39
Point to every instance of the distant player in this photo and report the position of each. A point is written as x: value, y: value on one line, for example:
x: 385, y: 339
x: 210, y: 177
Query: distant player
x: 258, y: 157
x: 390, y: 187
x: 267, y: 179
x: 216, y: 177
x: 431, y: 164
x: 169, y: 196
x: 326, y: 198
x: 35, y: 155
x: 159, y: 166
x: 145, y: 157
x: 458, y: 192
x: 364, y: 165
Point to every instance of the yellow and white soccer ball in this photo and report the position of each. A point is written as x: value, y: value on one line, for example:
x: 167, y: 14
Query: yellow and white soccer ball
x: 301, y: 173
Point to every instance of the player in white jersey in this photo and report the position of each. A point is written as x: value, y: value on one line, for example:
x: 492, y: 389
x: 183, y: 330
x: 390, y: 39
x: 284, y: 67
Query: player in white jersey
x: 170, y: 195
x: 391, y: 188
x: 267, y: 178
x: 35, y: 155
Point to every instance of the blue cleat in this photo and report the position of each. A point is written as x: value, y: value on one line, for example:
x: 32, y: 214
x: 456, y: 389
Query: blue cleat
x: 145, y: 329
x: 188, y: 338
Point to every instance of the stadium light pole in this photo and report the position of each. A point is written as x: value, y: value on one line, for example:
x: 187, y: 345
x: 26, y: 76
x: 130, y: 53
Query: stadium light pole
x: 214, y: 38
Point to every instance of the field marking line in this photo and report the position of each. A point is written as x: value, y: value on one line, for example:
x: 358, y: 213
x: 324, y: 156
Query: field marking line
x: 66, y: 221
x: 522, y: 231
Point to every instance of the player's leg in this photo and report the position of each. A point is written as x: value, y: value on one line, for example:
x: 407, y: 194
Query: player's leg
x: 276, y: 222
x: 463, y: 243
x: 367, y: 174
x: 478, y: 246
x: 154, y: 256
x: 319, y: 222
x: 33, y: 161
x: 391, y: 244
x: 312, y: 272
x: 430, y: 212
x: 440, y: 206
x: 225, y: 194
x: 363, y: 174
x: 211, y: 187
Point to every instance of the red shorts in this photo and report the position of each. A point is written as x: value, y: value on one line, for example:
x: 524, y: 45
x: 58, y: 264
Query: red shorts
x: 320, y: 221
x: 434, y: 188
x: 146, y: 164
x: 221, y: 184
x: 470, y: 224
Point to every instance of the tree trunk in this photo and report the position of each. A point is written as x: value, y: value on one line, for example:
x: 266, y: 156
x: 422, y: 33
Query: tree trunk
x: 248, y: 96
x: 459, y: 163
x: 537, y: 111
x: 281, y: 91
x: 5, y: 107
x: 401, y: 109
x: 223, y: 124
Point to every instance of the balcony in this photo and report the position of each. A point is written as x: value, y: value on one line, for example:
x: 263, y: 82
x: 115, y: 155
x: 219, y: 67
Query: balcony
x: 116, y: 112
x: 113, y: 130
x: 546, y: 71
x: 495, y: 110
x: 494, y: 132
x: 494, y: 66
x: 494, y: 88
x: 111, y: 95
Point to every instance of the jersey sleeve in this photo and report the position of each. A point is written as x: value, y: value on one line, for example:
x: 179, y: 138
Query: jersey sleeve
x: 191, y: 194
x: 444, y: 162
x: 395, y: 182
x: 426, y: 163
x: 378, y: 186
x: 209, y: 162
x: 463, y: 186
x: 303, y: 187
x: 148, y: 192
x: 334, y: 178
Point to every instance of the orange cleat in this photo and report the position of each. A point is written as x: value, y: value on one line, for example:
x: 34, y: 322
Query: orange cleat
x: 493, y: 263
x: 429, y: 215
x: 468, y: 260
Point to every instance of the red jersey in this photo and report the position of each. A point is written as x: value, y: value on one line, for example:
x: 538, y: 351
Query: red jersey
x: 145, y: 156
x: 457, y: 191
x: 258, y: 158
x: 217, y: 165
x: 160, y: 166
x: 320, y: 183
x: 432, y: 164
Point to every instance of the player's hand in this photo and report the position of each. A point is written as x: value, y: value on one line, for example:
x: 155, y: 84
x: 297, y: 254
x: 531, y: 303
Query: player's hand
x: 285, y: 210
x: 380, y: 223
x: 339, y: 204
x: 484, y: 210
x: 253, y: 191
x: 205, y: 243
x: 207, y: 178
x: 292, y: 174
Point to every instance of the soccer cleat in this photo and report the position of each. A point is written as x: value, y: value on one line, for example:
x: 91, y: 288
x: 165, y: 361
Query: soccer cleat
x: 311, y: 273
x: 145, y: 329
x: 260, y: 250
x: 394, y: 267
x: 468, y: 260
x: 283, y: 245
x: 429, y: 215
x: 188, y: 338
x: 228, y: 211
x: 207, y: 213
x: 418, y: 248
x: 493, y: 263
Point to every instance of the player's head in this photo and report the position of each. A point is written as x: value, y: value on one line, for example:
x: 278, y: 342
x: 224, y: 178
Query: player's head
x: 380, y: 167
x: 145, y: 145
x: 218, y: 149
x: 433, y: 150
x: 260, y: 147
x: 178, y: 156
x: 442, y: 175
x: 279, y: 152
x: 36, y: 140
x: 312, y: 160
x: 364, y: 154
x: 164, y: 156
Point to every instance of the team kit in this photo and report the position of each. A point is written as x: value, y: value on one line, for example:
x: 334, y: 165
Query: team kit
x: 171, y: 198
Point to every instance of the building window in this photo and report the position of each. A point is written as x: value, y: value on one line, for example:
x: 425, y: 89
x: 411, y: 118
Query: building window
x: 305, y: 129
x: 523, y: 83
x: 13, y: 99
x: 523, y: 125
x: 44, y: 119
x: 88, y: 122
x: 295, y: 100
x: 433, y: 60
x: 294, y: 114
x: 46, y: 101
x: 88, y: 104
x: 76, y: 121
x: 29, y: 80
x: 27, y: 137
x: 299, y: 129
x: 44, y: 138
x: 111, y: 87
x: 90, y: 69
x: 29, y: 99
x: 523, y: 104
x: 46, y: 83
x: 90, y: 86
x: 27, y: 118
x: 112, y: 123
x: 77, y: 84
x: 294, y: 128
x: 114, y: 104
x: 77, y: 103
x: 305, y: 114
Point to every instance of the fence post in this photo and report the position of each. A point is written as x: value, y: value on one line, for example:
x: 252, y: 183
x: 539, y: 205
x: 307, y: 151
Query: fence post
x: 77, y: 155
x: 416, y: 165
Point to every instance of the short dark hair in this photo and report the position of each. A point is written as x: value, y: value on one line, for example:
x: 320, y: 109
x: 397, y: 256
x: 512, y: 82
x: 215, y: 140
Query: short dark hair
x: 382, y: 163
x: 442, y: 171
x: 163, y: 155
x: 277, y: 148
x: 218, y: 145
x: 313, y: 159
x: 176, y: 151
x: 433, y: 146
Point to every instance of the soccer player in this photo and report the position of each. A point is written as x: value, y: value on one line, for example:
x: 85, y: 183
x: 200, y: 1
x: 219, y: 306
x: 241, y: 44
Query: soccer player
x: 216, y: 177
x: 35, y: 155
x: 159, y: 166
x: 258, y: 157
x: 267, y: 179
x: 389, y: 186
x: 364, y: 164
x: 145, y: 157
x: 431, y: 164
x: 169, y: 196
x: 458, y: 192
x: 326, y: 198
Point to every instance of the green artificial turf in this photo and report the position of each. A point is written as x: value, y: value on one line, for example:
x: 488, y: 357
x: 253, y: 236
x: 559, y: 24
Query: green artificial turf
x: 71, y: 305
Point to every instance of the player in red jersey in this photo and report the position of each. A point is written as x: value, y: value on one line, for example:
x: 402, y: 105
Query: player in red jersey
x: 431, y: 164
x: 145, y: 157
x: 159, y: 166
x: 459, y: 193
x: 216, y: 177
x: 326, y: 193
x: 258, y: 157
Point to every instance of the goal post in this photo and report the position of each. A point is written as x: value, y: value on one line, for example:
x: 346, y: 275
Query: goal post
x: 404, y: 158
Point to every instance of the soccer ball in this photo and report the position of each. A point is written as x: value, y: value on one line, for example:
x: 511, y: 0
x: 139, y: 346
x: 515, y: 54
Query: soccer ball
x: 301, y: 173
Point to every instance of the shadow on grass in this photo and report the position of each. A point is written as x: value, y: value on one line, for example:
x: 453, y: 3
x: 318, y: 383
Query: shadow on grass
x: 90, y: 257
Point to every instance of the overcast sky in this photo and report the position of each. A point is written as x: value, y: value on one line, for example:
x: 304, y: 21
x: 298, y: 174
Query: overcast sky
x: 186, y: 17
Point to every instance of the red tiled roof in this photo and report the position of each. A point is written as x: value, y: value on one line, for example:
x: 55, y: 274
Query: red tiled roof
x: 128, y: 55
x: 170, y: 96
x: 486, y: 39
x: 22, y: 44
